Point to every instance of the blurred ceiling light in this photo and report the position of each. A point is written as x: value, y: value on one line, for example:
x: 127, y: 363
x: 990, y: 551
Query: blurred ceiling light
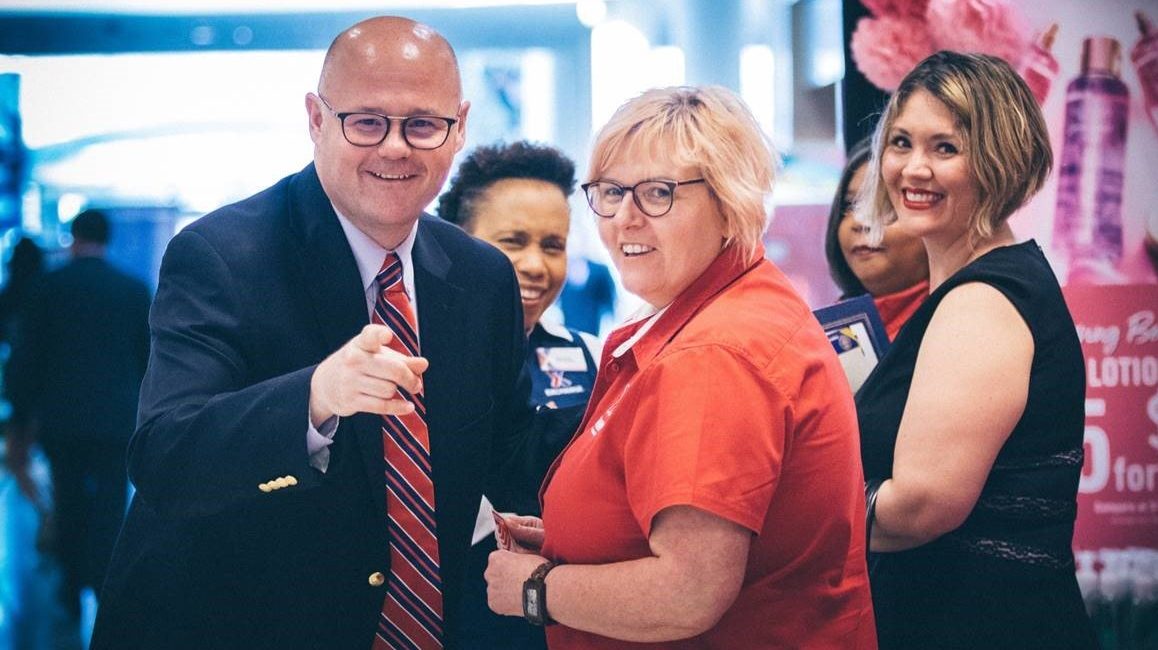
x: 619, y: 57
x: 31, y: 221
x: 666, y: 66
x: 176, y: 7
x: 591, y: 12
x: 69, y: 205
x: 537, y: 70
x: 757, y: 83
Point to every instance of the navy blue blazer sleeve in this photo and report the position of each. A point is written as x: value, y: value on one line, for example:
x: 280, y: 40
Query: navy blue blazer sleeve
x: 206, y: 437
x: 252, y: 297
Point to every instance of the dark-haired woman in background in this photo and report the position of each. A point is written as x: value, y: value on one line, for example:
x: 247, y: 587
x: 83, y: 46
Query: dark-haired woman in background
x: 894, y: 271
x: 515, y: 197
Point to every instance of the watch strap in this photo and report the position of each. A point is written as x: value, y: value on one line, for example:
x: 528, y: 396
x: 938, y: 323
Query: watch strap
x: 535, y: 595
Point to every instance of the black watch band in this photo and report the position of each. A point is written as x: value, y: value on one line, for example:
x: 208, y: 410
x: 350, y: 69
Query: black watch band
x: 535, y: 596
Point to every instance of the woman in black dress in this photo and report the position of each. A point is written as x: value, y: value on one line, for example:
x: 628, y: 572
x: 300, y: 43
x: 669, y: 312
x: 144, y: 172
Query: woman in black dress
x: 972, y: 424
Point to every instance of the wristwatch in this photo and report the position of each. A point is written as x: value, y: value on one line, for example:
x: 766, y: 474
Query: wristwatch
x: 535, y: 596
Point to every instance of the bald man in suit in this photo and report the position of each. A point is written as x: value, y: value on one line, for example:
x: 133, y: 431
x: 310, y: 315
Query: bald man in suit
x: 260, y: 519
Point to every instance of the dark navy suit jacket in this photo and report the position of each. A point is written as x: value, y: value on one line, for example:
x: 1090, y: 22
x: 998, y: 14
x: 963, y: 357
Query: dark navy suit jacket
x: 250, y: 299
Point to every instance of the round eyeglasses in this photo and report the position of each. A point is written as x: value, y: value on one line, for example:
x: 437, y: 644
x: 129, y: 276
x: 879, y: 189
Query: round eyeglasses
x: 370, y: 129
x: 654, y: 198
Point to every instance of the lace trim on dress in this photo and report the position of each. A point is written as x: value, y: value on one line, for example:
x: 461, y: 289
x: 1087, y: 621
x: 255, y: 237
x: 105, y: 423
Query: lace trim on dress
x: 1005, y: 550
x: 1069, y: 458
x: 1023, y: 507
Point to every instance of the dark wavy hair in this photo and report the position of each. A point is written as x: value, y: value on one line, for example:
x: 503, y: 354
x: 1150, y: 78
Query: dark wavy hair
x: 489, y: 164
x: 838, y: 266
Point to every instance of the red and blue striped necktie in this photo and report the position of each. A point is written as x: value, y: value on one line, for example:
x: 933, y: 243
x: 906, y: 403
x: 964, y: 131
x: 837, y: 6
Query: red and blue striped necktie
x: 411, y: 616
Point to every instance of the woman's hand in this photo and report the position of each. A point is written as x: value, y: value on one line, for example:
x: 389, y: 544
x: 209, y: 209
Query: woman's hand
x: 527, y: 532
x: 506, y: 572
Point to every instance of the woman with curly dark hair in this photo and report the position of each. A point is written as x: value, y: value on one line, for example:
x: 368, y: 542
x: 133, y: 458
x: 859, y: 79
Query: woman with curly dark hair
x: 515, y: 197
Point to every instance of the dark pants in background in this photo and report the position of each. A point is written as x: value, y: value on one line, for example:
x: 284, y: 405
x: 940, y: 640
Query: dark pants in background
x: 90, y: 489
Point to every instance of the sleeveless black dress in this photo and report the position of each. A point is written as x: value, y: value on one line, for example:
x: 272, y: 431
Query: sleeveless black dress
x: 1005, y: 578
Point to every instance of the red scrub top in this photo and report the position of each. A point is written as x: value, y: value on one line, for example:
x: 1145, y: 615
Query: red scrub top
x: 896, y: 308
x: 732, y: 402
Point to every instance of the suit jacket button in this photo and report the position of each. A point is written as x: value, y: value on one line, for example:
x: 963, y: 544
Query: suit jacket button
x: 376, y: 579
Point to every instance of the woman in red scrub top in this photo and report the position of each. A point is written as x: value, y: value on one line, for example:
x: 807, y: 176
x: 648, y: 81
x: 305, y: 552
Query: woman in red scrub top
x: 713, y: 496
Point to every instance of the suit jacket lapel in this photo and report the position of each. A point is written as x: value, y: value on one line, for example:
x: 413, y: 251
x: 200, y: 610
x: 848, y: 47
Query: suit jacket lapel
x: 328, y: 270
x: 440, y: 335
x: 330, y: 276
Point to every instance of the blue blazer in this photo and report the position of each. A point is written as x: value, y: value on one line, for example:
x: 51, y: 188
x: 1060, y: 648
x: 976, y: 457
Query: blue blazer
x: 250, y: 299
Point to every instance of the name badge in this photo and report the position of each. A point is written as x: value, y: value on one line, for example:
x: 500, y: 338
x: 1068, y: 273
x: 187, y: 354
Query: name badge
x: 565, y: 359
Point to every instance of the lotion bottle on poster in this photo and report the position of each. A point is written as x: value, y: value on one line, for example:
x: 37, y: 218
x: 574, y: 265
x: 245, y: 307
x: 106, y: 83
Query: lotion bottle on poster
x: 1040, y: 68
x: 1111, y: 619
x: 1144, y: 608
x: 1145, y: 59
x: 1087, y: 227
x: 1087, y: 576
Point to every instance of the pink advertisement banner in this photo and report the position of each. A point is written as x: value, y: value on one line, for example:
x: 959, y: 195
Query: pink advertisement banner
x: 1118, y: 493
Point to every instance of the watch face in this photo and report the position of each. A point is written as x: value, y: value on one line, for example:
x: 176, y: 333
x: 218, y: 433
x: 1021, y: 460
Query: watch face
x: 531, y: 604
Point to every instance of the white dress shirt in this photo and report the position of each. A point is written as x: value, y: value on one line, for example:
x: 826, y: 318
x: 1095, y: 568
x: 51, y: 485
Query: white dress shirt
x: 368, y: 255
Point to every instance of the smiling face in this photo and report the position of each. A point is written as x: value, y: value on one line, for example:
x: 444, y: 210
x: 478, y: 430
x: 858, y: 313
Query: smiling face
x: 393, y: 67
x: 925, y: 168
x: 897, y: 263
x: 528, y: 220
x: 659, y: 257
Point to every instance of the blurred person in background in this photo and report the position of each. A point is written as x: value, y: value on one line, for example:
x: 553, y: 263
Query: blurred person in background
x: 25, y: 266
x: 588, y: 296
x: 515, y: 197
x: 972, y: 424
x: 713, y: 495
x: 894, y: 271
x: 77, y: 361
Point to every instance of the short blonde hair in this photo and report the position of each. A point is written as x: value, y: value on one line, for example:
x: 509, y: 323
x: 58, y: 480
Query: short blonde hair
x: 709, y: 128
x: 1005, y: 136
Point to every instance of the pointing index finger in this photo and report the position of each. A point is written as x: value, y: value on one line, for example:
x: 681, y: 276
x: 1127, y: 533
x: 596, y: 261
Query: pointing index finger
x: 373, y: 337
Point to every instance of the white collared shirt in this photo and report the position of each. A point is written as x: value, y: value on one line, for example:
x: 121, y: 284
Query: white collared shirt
x: 646, y: 311
x: 368, y: 255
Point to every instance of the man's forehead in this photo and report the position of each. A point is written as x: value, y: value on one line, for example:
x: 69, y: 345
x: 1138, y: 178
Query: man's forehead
x: 405, y: 38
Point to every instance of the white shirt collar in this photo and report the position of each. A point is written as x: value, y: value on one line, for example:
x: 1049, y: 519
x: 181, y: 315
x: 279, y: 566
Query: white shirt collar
x: 553, y: 327
x: 368, y: 254
x: 647, y: 311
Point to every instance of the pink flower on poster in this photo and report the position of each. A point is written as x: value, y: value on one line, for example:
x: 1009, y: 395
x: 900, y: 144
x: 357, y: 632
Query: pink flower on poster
x: 987, y: 26
x: 903, y: 8
x: 886, y: 48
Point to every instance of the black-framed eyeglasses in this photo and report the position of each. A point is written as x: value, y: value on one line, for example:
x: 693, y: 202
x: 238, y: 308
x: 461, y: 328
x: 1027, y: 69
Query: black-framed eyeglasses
x: 370, y: 129
x: 654, y: 198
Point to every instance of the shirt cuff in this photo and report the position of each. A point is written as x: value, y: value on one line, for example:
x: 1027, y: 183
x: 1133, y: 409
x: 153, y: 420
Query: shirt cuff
x: 318, y: 441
